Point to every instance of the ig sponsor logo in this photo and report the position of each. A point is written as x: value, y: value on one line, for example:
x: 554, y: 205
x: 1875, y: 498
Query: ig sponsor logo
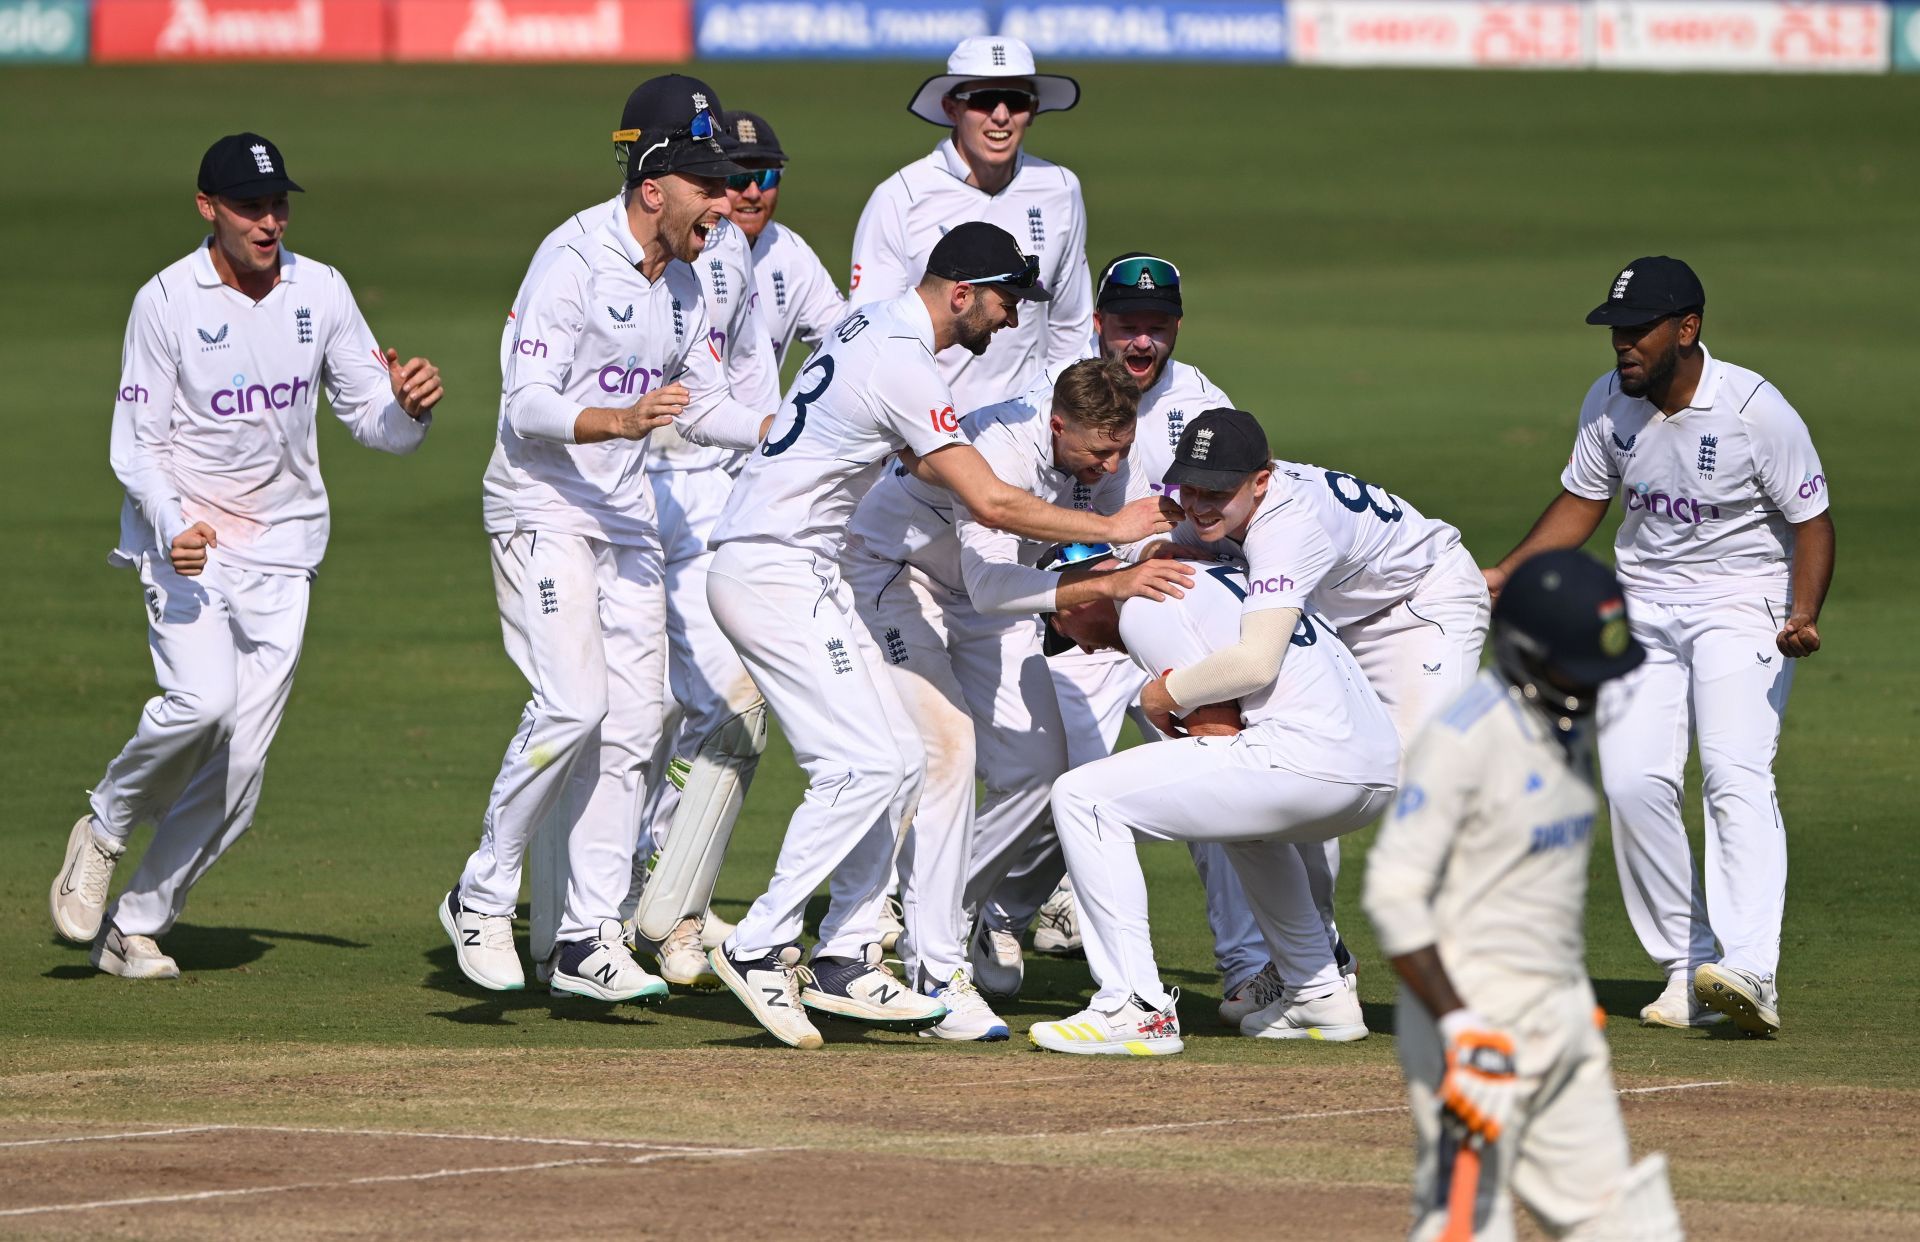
x: 629, y: 379
x: 944, y: 419
x: 245, y: 398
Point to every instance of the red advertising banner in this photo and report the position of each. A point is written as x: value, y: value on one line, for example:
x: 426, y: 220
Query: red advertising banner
x: 239, y: 30
x: 1842, y: 37
x: 1455, y: 33
x: 630, y: 31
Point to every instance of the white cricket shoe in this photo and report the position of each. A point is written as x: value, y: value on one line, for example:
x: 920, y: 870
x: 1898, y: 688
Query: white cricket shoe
x: 483, y: 945
x: 1056, y: 929
x: 1136, y: 1029
x: 131, y: 957
x: 714, y: 930
x: 866, y: 991
x: 1256, y: 993
x: 999, y: 968
x: 1751, y: 1001
x: 602, y: 969
x: 79, y: 896
x: 682, y: 961
x: 893, y: 924
x: 1677, y: 1006
x: 770, y: 989
x: 969, y: 1017
x: 1334, y: 1018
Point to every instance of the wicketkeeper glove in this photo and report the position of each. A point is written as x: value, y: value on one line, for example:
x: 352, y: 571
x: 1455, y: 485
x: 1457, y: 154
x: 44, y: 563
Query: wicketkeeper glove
x: 1479, y: 1088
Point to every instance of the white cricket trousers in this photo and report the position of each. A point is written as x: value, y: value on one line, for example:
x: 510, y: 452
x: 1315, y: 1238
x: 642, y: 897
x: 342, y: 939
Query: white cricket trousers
x: 792, y: 619
x: 591, y: 613
x: 1565, y: 1152
x: 1227, y: 790
x: 1712, y: 670
x: 977, y: 690
x: 225, y: 645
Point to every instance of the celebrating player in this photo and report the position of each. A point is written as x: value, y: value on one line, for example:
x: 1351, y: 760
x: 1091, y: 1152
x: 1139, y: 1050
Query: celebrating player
x: 225, y: 520
x: 798, y: 299
x: 776, y: 590
x: 614, y: 315
x: 988, y: 97
x: 951, y: 604
x: 1477, y: 886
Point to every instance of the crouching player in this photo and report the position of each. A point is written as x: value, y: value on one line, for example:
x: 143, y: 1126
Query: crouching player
x: 1309, y: 755
x: 1477, y: 887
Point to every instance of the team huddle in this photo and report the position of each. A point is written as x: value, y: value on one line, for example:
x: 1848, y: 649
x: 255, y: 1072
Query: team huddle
x: 991, y: 517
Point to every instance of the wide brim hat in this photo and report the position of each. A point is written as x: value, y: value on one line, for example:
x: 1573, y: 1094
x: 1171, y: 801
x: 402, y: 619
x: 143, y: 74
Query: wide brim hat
x: 984, y: 58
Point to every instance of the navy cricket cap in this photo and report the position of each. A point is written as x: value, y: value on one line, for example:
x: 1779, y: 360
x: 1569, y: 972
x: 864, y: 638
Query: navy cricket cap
x: 244, y: 165
x: 1647, y: 289
x: 1219, y: 448
x: 750, y: 141
x: 986, y: 254
x: 671, y: 124
x: 1568, y: 612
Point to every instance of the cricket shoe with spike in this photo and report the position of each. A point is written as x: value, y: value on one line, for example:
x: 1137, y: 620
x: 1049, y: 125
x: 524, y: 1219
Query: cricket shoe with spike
x: 1256, y: 993
x: 1677, y: 1006
x: 969, y: 1017
x: 1056, y: 929
x: 893, y: 924
x: 714, y: 930
x: 79, y: 896
x: 1136, y: 1029
x: 1750, y: 1000
x: 1333, y: 1018
x: 862, y: 989
x: 602, y: 969
x: 483, y: 945
x: 131, y: 957
x: 999, y: 968
x: 682, y: 961
x: 770, y: 989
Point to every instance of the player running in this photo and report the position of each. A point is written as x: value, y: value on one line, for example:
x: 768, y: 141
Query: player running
x: 775, y: 588
x: 1726, y: 551
x: 225, y: 520
x: 798, y: 299
x: 988, y: 97
x: 1477, y: 886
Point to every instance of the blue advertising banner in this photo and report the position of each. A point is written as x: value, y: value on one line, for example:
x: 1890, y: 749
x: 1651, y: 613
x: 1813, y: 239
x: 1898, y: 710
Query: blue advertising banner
x: 1178, y: 30
x: 1906, y: 37
x: 904, y: 29
x: 43, y: 30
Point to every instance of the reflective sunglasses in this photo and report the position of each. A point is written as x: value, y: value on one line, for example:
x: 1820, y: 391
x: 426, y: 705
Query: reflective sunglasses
x: 1025, y: 278
x: 1068, y: 555
x: 765, y: 178
x: 1145, y: 275
x: 987, y: 98
x: 701, y: 129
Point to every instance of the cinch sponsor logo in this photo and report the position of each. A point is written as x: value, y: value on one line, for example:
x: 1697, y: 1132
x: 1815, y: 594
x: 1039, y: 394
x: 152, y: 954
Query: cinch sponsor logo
x: 134, y: 393
x: 1679, y: 508
x: 245, y: 398
x: 1561, y: 833
x: 1812, y: 486
x: 532, y: 347
x: 1270, y: 586
x: 627, y: 379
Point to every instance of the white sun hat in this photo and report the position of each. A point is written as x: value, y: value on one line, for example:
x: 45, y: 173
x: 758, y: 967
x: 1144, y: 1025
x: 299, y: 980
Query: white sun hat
x: 992, y: 56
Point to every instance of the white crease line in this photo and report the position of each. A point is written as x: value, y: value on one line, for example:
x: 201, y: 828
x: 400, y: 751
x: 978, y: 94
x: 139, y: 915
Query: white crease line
x: 1678, y: 1086
x: 1000, y: 1082
x: 102, y: 1138
x: 617, y: 1144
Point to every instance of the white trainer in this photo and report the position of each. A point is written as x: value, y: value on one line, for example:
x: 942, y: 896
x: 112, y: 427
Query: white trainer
x: 682, y: 961
x: 79, y: 896
x: 714, y: 930
x: 1677, y: 1006
x: 131, y: 957
x: 969, y: 1017
x: 1334, y: 1018
x: 483, y: 945
x: 999, y: 968
x: 1136, y: 1029
x: 1751, y: 1001
x: 770, y: 989
x: 1256, y: 993
x: 866, y: 991
x: 602, y: 969
x: 1056, y: 929
x: 893, y: 924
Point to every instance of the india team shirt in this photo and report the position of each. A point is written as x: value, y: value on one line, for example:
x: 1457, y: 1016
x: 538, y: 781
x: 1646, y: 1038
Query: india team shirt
x: 1711, y: 492
x: 871, y: 390
x: 1485, y: 853
x: 214, y: 418
x: 798, y: 299
x: 1319, y: 718
x: 1041, y: 207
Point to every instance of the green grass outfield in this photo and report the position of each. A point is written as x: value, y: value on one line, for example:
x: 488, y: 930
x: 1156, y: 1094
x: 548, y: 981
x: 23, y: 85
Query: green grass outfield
x: 1391, y: 268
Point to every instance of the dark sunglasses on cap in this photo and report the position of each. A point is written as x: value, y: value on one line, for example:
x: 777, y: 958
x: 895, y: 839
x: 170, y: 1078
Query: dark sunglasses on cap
x: 1025, y: 278
x: 987, y: 98
x: 766, y: 179
x: 701, y: 129
x: 1145, y: 275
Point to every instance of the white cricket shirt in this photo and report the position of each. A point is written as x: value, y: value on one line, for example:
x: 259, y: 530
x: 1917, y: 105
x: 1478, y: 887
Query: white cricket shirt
x: 1485, y: 853
x: 1041, y: 207
x: 798, y: 299
x: 1711, y: 493
x: 872, y: 389
x: 214, y: 417
x: 1319, y: 718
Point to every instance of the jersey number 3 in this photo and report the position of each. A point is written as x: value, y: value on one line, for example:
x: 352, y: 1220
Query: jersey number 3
x: 801, y: 400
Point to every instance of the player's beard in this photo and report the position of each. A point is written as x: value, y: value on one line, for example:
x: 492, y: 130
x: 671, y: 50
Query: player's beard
x: 972, y: 329
x: 1654, y: 375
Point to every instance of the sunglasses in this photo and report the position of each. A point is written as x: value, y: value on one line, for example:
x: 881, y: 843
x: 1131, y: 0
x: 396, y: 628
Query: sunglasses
x: 766, y: 179
x: 702, y: 128
x: 1025, y: 278
x: 987, y: 98
x: 1143, y: 274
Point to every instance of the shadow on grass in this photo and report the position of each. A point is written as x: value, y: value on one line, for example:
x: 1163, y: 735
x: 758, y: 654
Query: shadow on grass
x: 1624, y: 998
x: 480, y: 1007
x: 199, y: 948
